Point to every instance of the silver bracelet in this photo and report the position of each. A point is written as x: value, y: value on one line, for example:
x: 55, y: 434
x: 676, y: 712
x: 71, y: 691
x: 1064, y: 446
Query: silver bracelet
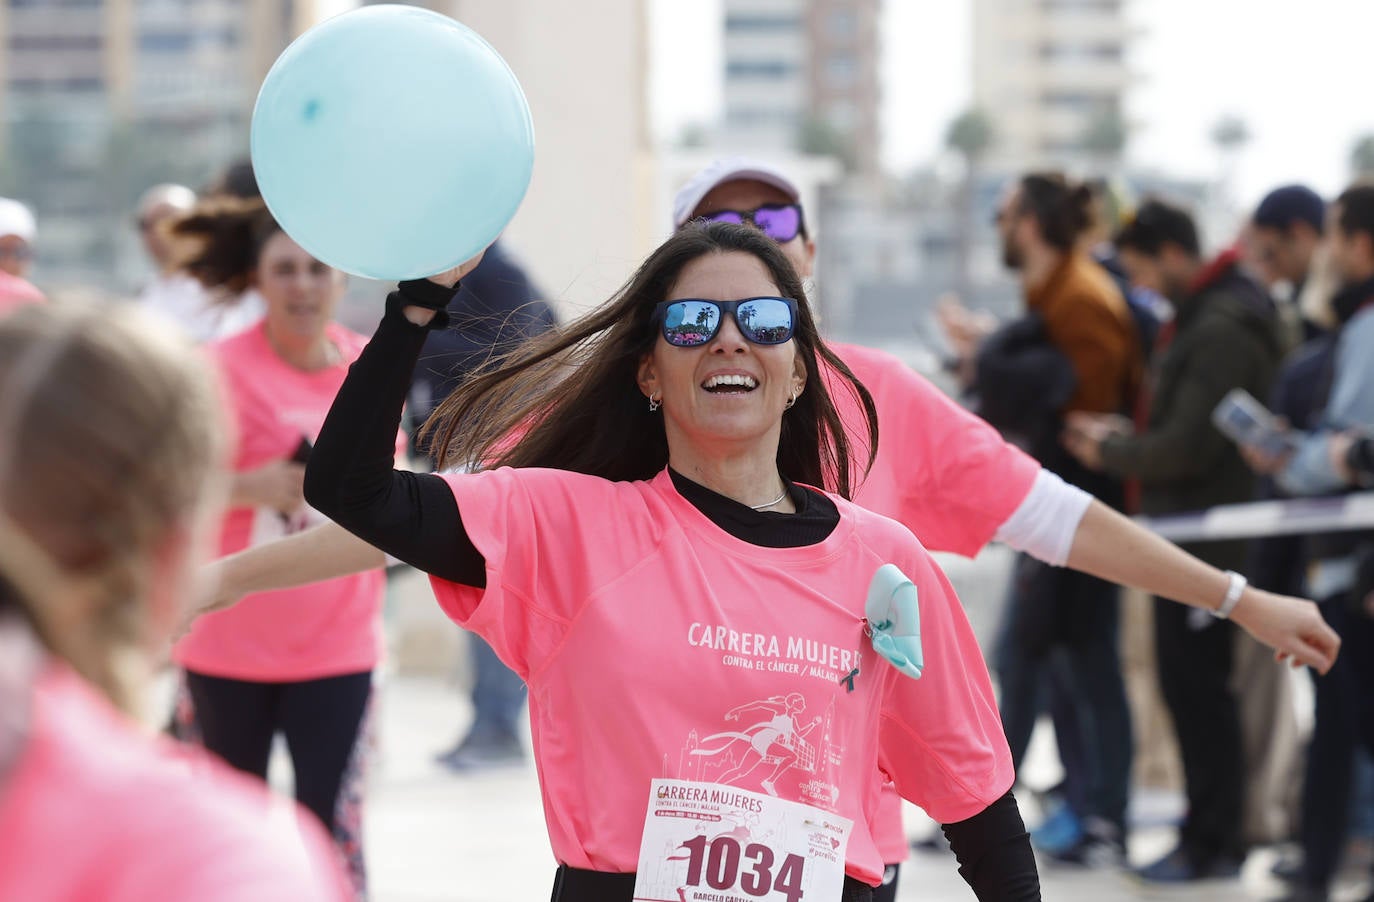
x: 1233, y: 592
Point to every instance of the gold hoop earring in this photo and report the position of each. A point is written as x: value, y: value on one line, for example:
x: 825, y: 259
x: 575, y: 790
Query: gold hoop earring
x: 791, y: 399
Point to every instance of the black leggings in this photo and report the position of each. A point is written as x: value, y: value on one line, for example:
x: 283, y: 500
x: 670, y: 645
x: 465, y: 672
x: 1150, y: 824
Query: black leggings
x: 324, y: 724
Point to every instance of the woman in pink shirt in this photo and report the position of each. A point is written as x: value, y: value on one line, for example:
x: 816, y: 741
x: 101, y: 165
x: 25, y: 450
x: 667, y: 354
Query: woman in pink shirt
x: 298, y: 662
x: 708, y: 715
x: 109, y: 485
x: 940, y: 470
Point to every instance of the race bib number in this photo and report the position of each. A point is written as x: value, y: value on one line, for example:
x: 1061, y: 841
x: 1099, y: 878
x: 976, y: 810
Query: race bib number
x: 706, y: 842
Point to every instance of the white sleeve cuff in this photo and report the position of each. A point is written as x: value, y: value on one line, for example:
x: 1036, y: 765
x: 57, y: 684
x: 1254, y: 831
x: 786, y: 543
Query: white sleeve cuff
x: 1045, y: 523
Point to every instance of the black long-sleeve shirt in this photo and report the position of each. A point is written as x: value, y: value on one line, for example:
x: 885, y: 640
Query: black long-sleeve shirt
x: 414, y: 517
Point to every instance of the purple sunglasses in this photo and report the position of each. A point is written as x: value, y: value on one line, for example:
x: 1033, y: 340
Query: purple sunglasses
x: 781, y: 222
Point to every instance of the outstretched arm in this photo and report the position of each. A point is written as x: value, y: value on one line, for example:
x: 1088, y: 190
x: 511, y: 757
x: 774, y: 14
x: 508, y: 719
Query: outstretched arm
x: 1110, y: 546
x: 322, y: 552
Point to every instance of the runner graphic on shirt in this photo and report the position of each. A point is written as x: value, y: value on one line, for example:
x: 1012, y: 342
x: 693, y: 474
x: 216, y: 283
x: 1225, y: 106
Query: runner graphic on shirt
x: 778, y: 740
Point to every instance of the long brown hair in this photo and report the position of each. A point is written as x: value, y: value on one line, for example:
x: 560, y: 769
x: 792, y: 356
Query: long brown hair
x: 573, y: 398
x: 218, y: 242
x: 109, y: 436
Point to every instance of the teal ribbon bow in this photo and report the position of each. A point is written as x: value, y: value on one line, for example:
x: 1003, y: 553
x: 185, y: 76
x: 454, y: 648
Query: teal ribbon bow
x: 894, y: 620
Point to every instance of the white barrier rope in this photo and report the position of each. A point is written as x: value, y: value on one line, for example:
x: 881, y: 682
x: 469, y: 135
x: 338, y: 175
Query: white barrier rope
x: 1296, y: 516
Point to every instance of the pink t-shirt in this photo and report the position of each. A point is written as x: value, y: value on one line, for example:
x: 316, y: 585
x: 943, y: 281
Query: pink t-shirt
x: 655, y: 644
x: 16, y: 292
x: 941, y: 471
x: 324, y: 629
x: 95, y: 812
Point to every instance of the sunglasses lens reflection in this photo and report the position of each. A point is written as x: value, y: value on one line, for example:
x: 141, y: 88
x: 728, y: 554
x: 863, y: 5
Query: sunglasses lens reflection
x: 687, y: 324
x: 765, y: 321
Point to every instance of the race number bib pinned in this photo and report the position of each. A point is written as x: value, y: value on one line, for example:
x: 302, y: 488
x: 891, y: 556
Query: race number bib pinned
x: 706, y: 842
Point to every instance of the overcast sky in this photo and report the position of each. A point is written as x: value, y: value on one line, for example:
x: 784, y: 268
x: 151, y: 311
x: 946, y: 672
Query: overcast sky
x: 1297, y: 71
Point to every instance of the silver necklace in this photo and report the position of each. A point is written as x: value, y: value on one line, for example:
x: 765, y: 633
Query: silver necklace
x: 759, y: 507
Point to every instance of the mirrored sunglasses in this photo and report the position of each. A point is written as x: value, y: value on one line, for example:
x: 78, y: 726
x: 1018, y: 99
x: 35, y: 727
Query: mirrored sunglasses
x: 692, y: 322
x: 781, y: 222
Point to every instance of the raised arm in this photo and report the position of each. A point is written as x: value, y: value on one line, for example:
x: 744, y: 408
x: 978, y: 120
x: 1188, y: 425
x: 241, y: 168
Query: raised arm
x: 350, y: 478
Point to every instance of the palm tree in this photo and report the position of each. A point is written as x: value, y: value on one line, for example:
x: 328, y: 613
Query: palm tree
x: 1362, y: 158
x: 1105, y: 137
x: 1229, y: 135
x: 970, y: 135
x: 819, y: 137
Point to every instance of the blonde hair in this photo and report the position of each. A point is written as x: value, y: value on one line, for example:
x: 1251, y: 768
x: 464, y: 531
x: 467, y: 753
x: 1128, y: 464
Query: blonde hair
x: 109, y: 438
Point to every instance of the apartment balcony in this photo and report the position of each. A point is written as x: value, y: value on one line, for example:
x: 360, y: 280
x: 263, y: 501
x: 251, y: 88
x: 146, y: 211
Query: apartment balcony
x: 35, y: 70
x: 51, y: 21
x: 1076, y: 76
x: 1087, y: 28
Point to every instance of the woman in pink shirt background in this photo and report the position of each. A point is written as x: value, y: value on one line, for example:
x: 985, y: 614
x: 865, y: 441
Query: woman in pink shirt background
x: 110, y: 446
x: 17, y: 229
x: 298, y: 662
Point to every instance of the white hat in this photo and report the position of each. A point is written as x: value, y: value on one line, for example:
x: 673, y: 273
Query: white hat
x: 727, y: 169
x: 15, y: 219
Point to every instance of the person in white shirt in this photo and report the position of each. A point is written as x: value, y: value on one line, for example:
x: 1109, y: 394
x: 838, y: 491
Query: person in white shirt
x: 173, y: 293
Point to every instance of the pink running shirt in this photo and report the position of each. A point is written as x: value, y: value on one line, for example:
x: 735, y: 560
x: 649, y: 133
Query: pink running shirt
x: 943, y: 472
x: 95, y: 812
x: 655, y: 644
x: 321, y: 630
x: 16, y: 292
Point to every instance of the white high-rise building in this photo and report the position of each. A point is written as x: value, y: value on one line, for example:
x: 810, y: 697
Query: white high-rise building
x: 803, y: 75
x: 1051, y: 75
x: 765, y: 73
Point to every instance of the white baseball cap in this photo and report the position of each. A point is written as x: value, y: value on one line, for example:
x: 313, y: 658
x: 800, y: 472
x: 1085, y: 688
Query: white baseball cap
x: 15, y: 219
x: 728, y: 169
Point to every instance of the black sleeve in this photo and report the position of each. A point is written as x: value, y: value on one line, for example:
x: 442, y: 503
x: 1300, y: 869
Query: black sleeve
x: 350, y: 477
x: 994, y: 853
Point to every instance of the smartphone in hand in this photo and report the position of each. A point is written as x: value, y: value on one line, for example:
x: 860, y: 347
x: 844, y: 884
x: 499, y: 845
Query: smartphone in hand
x: 1246, y: 421
x: 302, y: 453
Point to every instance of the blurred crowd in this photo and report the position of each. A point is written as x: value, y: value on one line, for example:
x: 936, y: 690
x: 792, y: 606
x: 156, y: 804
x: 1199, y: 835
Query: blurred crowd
x: 1127, y: 374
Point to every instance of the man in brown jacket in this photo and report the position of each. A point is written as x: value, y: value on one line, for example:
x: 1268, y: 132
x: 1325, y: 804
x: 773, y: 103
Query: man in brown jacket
x: 1075, y: 350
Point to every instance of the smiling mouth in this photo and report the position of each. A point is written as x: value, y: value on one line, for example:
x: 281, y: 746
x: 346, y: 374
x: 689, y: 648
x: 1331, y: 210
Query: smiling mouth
x: 730, y: 385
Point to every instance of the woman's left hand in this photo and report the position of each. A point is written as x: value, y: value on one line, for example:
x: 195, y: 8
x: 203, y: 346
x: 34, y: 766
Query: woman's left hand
x: 1293, y: 627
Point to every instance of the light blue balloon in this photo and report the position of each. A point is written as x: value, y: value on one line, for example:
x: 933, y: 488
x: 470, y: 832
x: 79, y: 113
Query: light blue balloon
x: 392, y: 142
x: 894, y: 620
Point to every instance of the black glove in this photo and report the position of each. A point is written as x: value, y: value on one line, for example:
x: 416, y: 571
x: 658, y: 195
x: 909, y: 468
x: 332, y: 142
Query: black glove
x: 423, y: 293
